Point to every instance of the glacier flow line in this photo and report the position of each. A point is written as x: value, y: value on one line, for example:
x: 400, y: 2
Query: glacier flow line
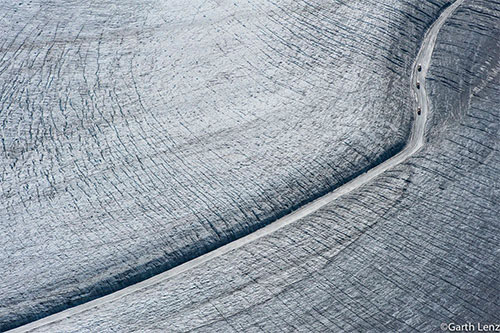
x: 416, y: 141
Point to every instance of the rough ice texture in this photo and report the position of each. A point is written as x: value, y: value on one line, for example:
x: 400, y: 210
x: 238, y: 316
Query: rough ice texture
x: 137, y: 136
x: 417, y: 247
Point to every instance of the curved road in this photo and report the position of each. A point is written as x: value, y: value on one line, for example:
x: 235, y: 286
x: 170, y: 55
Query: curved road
x: 414, y: 144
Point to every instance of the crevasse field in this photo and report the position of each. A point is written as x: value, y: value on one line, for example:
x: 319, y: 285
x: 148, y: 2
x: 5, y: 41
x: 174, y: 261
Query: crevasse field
x: 137, y: 136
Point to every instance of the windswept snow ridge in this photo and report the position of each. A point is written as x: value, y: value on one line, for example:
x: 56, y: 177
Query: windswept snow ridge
x: 415, y: 142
